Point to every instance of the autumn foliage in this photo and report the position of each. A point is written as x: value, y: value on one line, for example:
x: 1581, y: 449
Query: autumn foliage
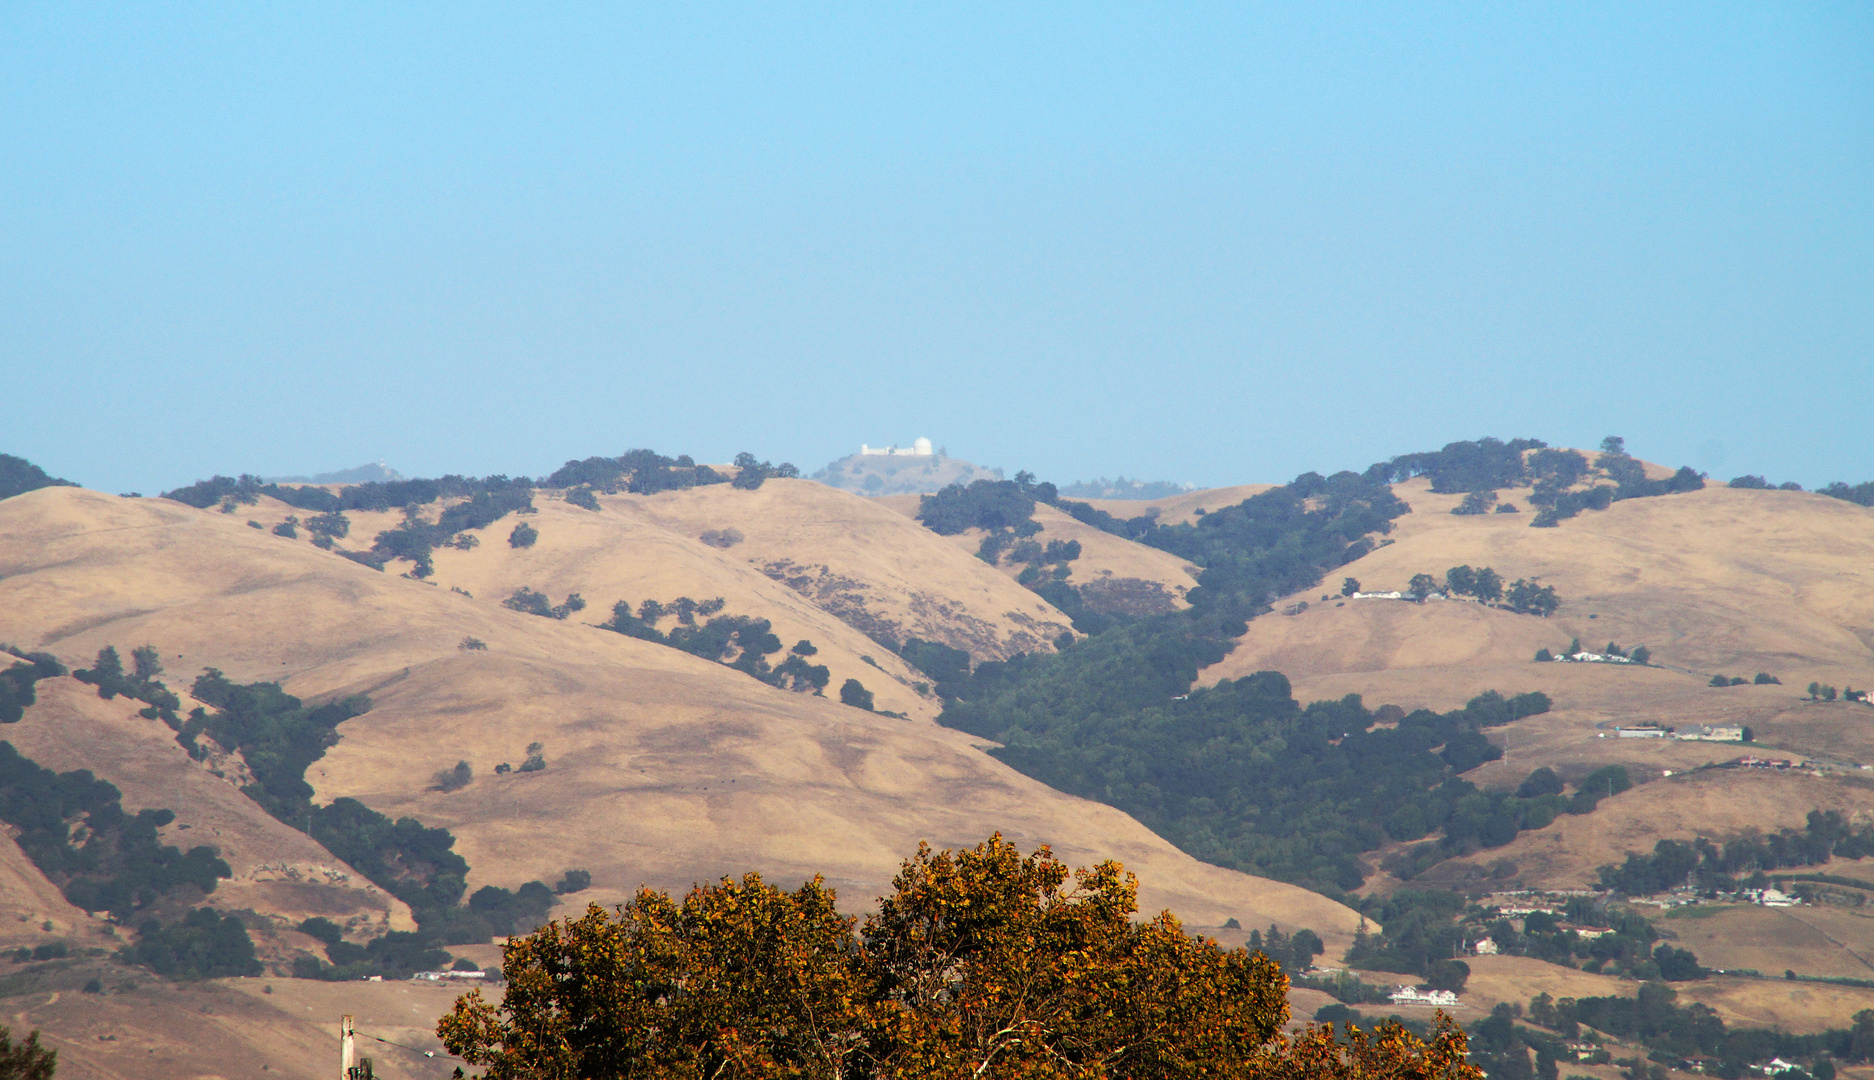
x: 982, y: 964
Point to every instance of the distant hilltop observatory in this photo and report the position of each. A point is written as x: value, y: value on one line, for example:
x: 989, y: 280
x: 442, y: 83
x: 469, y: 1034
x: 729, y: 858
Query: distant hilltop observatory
x: 920, y: 448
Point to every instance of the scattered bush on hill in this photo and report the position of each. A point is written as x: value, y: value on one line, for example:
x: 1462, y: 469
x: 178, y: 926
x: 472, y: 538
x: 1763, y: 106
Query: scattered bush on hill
x: 1477, y: 502
x: 927, y: 986
x: 1483, y: 583
x: 530, y: 602
x: 853, y: 692
x: 737, y: 641
x: 523, y: 536
x: 721, y: 538
x: 582, y: 497
x: 1529, y: 598
x: 365, y: 558
x: 749, y: 473
x: 452, y: 779
x: 17, y: 690
x: 573, y: 881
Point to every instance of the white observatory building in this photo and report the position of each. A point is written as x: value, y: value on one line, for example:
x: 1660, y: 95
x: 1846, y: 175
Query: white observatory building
x: 920, y: 448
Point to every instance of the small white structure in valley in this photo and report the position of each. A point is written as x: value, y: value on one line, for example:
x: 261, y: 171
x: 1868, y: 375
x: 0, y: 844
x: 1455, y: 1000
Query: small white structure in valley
x: 919, y: 448
x: 1407, y: 995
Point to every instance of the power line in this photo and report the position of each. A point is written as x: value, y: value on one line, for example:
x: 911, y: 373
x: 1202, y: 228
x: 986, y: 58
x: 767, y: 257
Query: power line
x: 412, y: 1049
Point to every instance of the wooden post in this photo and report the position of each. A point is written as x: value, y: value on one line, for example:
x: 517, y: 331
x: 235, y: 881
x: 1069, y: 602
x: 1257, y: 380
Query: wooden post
x: 345, y: 1048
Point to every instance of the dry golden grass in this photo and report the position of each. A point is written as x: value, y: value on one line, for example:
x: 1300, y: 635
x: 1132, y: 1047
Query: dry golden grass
x: 1156, y: 580
x: 865, y: 563
x: 1835, y: 942
x: 1794, y: 1006
x: 235, y: 1027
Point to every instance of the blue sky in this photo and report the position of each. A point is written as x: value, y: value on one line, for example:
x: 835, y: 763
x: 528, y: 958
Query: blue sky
x: 1208, y: 244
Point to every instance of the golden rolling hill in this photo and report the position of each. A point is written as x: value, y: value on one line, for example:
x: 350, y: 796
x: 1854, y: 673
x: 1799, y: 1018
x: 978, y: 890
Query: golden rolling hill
x: 663, y: 768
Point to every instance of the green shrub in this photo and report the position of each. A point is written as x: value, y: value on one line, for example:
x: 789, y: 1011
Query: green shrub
x: 523, y: 536
x: 453, y: 779
x: 853, y: 692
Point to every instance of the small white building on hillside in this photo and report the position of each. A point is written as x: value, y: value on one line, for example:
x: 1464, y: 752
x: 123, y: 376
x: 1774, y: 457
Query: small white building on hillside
x: 1407, y: 995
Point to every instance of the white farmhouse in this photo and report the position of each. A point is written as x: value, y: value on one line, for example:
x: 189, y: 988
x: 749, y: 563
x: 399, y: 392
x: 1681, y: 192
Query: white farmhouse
x: 1407, y: 995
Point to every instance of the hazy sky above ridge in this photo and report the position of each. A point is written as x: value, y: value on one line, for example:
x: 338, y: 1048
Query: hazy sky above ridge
x: 1207, y: 244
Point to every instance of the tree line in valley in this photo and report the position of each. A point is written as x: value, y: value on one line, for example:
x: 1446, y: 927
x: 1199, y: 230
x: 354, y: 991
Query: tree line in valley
x: 1239, y: 774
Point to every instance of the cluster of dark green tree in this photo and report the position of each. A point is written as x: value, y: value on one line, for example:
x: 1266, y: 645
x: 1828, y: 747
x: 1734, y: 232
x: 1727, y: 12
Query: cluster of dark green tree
x: 417, y: 537
x: 375, y: 496
x: 140, y: 683
x: 1824, y: 692
x: 484, y: 501
x: 533, y: 602
x: 19, y: 476
x: 1758, y: 483
x: 1630, y: 482
x: 205, y: 944
x: 1243, y: 775
x: 1481, y: 465
x: 121, y: 865
x: 1523, y: 596
x: 1860, y: 494
x: 738, y: 641
x: 1682, y: 1035
x: 1293, y: 953
x: 1742, y: 863
x: 750, y: 474
x: 993, y: 505
x: 1473, y: 819
x: 641, y: 472
x: 17, y: 689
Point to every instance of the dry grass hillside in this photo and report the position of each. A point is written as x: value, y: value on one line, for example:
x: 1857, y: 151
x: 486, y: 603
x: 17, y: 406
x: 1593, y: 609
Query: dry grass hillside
x: 624, y: 552
x: 1112, y: 573
x: 887, y: 576
x: 662, y: 768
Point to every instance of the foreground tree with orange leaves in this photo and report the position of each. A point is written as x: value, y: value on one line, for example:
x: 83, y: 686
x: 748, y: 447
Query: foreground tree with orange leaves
x: 982, y: 965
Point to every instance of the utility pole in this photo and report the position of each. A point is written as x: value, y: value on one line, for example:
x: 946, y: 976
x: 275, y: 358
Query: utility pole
x: 345, y: 1048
